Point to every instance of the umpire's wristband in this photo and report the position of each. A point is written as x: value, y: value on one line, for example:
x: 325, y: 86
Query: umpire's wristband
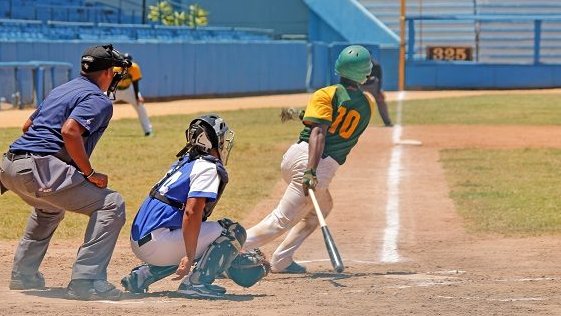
x: 89, y: 175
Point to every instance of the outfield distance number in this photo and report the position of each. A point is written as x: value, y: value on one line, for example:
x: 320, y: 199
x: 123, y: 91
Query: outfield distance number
x: 449, y: 53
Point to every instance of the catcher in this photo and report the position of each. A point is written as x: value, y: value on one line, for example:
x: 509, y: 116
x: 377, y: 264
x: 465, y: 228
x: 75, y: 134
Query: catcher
x: 170, y: 232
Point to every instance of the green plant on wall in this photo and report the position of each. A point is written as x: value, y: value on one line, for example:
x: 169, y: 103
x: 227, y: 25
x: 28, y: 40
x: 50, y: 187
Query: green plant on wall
x: 164, y: 13
x: 197, y: 16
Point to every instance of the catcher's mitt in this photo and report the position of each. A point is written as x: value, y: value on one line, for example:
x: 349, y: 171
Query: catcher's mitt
x: 248, y: 268
x: 288, y: 114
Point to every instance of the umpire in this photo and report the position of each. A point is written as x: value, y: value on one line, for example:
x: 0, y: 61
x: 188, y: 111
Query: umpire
x: 49, y: 168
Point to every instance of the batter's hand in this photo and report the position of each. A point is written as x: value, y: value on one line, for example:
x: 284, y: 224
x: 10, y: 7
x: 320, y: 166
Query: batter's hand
x: 99, y: 179
x: 183, y: 268
x: 309, y: 181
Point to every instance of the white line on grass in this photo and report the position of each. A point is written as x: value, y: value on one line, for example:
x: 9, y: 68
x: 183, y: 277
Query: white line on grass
x: 391, y: 232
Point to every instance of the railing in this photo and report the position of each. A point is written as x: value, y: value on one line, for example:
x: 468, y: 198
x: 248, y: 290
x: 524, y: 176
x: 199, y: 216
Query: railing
x: 496, y: 38
x: 27, y: 83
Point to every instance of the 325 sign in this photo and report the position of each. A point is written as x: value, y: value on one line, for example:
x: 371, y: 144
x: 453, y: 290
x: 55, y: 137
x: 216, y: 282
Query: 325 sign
x: 450, y: 53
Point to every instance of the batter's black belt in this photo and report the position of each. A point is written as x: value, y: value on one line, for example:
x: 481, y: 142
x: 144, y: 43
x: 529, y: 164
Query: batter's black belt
x: 144, y: 239
x: 16, y: 155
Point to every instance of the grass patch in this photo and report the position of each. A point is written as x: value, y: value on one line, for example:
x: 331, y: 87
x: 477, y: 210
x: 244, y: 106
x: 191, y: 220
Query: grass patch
x: 510, y: 192
x: 134, y: 163
x: 513, y: 109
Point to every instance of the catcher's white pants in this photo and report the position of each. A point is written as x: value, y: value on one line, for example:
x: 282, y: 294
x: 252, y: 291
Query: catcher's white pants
x: 128, y: 96
x: 167, y: 246
x: 295, y: 211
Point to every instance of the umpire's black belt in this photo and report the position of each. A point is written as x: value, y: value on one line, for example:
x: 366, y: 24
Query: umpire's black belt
x: 16, y: 155
x: 144, y: 239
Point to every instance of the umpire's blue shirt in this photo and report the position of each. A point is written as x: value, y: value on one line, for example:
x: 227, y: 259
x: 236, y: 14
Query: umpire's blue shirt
x: 79, y: 99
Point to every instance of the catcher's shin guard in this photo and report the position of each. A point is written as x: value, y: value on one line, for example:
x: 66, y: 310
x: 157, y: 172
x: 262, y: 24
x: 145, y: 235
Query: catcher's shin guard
x: 142, y: 276
x: 220, y: 254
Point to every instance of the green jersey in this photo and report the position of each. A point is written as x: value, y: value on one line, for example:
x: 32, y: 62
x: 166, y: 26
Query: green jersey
x: 347, y: 111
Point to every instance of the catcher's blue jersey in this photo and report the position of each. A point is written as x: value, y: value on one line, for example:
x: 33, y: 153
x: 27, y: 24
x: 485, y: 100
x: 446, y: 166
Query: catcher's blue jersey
x: 196, y: 178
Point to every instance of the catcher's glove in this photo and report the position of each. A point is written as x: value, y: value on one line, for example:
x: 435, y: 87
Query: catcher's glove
x: 248, y: 268
x: 288, y: 114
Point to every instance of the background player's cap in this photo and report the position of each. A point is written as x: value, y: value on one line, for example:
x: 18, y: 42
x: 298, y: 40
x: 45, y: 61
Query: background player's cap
x: 97, y: 58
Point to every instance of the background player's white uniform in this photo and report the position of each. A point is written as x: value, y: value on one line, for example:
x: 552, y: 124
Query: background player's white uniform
x: 125, y: 92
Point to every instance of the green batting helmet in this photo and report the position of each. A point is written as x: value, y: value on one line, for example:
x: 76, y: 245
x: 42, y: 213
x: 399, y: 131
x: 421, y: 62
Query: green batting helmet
x: 354, y: 63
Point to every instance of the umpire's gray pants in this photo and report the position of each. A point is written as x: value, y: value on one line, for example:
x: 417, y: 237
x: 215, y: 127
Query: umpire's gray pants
x: 51, y: 186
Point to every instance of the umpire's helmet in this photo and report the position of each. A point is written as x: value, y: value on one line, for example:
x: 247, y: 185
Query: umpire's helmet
x: 210, y: 131
x: 354, y: 63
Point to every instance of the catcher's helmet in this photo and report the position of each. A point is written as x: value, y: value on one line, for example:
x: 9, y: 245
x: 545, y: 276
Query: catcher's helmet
x: 210, y: 131
x: 354, y: 63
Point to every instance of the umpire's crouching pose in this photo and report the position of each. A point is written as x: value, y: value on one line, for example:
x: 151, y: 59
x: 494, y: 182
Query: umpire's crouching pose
x: 49, y: 168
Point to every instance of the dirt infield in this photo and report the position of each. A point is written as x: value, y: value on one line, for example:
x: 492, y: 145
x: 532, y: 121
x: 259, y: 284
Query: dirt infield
x: 440, y: 269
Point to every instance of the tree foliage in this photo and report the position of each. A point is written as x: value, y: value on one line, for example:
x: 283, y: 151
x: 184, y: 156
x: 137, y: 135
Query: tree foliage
x: 164, y: 13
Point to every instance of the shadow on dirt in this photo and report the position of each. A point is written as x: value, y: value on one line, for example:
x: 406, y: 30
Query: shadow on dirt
x: 60, y: 293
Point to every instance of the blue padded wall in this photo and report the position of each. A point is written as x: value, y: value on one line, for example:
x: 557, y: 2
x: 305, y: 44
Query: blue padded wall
x: 444, y: 75
x: 212, y: 68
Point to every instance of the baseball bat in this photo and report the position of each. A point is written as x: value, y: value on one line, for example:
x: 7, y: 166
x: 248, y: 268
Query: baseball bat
x: 334, y: 255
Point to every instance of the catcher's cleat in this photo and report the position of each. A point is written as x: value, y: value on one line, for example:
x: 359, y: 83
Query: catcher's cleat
x: 293, y: 268
x: 27, y: 281
x: 191, y: 290
x: 91, y: 290
x: 132, y: 284
x: 142, y: 276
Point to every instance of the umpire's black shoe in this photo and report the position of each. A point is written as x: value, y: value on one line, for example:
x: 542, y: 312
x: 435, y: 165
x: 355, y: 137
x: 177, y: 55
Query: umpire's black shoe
x: 91, y: 290
x: 27, y: 281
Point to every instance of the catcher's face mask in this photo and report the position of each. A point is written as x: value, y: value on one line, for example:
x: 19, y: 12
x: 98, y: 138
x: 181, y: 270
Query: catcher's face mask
x: 210, y: 131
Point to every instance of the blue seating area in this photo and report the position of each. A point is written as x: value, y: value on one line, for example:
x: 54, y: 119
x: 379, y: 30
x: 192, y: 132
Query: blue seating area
x: 33, y: 30
x: 68, y: 10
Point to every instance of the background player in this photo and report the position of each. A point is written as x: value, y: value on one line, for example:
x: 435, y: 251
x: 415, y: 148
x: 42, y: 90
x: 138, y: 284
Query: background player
x: 128, y: 90
x: 334, y: 119
x: 373, y: 85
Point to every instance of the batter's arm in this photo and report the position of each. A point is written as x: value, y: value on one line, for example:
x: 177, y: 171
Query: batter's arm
x: 191, y: 226
x: 316, y: 144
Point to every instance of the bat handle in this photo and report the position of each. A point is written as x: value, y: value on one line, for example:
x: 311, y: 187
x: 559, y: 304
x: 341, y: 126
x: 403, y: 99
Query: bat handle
x: 316, y: 207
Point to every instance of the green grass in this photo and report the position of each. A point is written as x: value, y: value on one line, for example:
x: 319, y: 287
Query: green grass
x: 510, y: 192
x: 134, y: 163
x: 484, y: 110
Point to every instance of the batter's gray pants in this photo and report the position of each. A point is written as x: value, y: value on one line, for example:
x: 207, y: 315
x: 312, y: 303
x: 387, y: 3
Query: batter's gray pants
x: 51, y: 186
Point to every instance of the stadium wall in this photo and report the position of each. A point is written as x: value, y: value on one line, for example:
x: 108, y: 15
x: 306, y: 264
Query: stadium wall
x: 461, y: 75
x: 173, y: 70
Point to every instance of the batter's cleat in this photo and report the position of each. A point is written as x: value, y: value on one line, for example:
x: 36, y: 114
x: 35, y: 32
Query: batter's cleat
x: 293, y: 268
x: 207, y: 291
x: 21, y: 281
x: 92, y: 290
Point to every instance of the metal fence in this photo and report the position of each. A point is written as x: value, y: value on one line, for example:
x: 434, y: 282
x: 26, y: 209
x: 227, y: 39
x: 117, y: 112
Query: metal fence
x: 503, y: 39
x: 27, y: 83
